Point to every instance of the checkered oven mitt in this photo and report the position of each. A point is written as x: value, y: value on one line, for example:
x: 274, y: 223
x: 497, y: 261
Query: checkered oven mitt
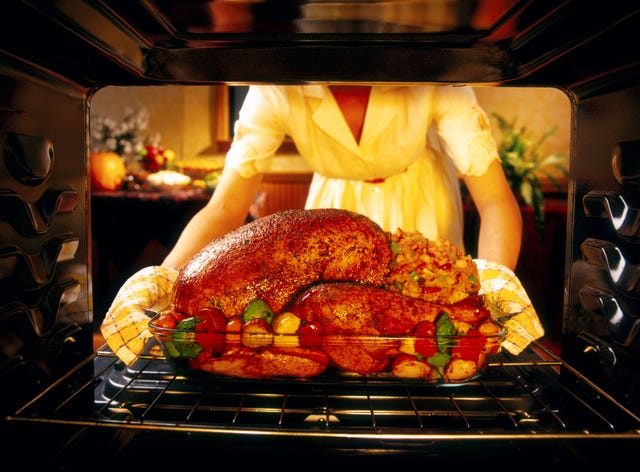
x: 126, y: 325
x: 509, y: 303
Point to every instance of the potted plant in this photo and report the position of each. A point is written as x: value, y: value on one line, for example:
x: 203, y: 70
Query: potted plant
x: 523, y: 166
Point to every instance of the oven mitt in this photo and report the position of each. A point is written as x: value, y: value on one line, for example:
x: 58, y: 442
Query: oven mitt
x: 510, y: 305
x: 126, y: 325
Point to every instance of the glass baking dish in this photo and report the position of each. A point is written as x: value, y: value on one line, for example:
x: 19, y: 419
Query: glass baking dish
x: 442, y: 351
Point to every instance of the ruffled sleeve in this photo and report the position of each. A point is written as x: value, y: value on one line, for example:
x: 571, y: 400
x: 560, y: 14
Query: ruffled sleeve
x: 463, y: 129
x: 258, y: 132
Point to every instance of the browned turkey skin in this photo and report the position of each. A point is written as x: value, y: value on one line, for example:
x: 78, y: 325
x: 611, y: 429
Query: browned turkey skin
x: 275, y: 256
x: 329, y: 268
x: 347, y: 308
x: 350, y: 309
x: 271, y: 362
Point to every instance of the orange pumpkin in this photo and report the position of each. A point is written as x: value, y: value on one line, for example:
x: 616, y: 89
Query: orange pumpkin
x: 107, y: 170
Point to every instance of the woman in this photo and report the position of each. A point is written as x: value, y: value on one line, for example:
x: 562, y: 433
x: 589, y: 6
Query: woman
x: 393, y: 153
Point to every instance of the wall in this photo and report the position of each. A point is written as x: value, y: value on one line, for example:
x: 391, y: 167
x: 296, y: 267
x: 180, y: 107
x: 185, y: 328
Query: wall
x: 537, y: 109
x: 185, y: 116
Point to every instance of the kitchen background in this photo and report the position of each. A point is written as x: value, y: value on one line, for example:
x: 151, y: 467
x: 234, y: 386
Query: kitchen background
x: 134, y: 231
x: 187, y: 117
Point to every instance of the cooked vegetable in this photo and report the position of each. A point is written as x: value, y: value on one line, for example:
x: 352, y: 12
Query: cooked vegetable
x: 470, y: 346
x: 291, y: 294
x: 425, y: 342
x: 408, y: 367
x: 286, y: 323
x: 460, y: 369
x: 440, y: 359
x: 258, y: 309
x: 184, y: 338
x: 445, y: 329
x: 257, y: 333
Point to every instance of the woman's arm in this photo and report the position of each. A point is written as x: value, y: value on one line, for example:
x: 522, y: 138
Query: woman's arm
x: 226, y: 210
x: 258, y: 133
x: 500, y: 216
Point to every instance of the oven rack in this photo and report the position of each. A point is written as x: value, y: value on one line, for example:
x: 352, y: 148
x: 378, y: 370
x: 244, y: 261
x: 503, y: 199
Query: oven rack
x: 533, y: 405
x: 534, y: 395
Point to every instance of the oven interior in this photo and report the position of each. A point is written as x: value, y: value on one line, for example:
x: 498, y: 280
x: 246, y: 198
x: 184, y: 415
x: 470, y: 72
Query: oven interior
x: 534, y: 406
x: 580, y: 406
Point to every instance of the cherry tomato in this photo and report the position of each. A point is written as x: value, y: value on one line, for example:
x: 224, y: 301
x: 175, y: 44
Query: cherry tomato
x: 425, y: 341
x: 212, y: 343
x: 257, y: 333
x: 471, y: 310
x: 470, y: 346
x: 310, y: 335
x: 179, y: 316
x: 210, y: 334
x: 166, y: 321
x: 213, y: 320
x: 233, y: 330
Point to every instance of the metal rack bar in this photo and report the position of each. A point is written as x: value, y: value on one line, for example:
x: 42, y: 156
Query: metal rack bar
x: 514, y: 400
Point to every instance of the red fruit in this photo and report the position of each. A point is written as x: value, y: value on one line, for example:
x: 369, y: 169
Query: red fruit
x: 257, y: 333
x: 153, y: 158
x: 233, y: 330
x: 213, y: 319
x: 470, y: 346
x: 210, y: 333
x: 310, y: 335
x: 166, y: 321
x: 425, y: 339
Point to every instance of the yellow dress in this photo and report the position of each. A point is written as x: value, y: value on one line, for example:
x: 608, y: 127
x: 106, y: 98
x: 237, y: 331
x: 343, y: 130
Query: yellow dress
x: 403, y: 173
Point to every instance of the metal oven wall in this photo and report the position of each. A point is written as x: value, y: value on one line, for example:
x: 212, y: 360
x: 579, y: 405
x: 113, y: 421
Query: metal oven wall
x: 602, y: 314
x: 45, y: 317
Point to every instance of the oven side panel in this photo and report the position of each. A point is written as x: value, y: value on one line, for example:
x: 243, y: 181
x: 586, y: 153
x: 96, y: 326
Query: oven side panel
x: 45, y: 317
x: 601, y: 319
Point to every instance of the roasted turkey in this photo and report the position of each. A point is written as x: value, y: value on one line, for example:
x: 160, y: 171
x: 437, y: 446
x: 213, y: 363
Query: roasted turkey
x: 331, y: 271
x: 365, y: 323
x: 275, y: 256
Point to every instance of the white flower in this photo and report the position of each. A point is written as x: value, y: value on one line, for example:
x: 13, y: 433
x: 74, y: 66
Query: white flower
x: 125, y: 137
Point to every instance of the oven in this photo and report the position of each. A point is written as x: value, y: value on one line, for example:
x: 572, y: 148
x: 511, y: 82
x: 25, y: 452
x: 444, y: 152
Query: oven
x: 68, y: 406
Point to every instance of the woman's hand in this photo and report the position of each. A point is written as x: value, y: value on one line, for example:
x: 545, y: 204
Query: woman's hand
x: 126, y: 324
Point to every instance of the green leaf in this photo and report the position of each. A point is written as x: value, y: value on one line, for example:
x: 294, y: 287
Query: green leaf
x: 185, y: 343
x: 188, y: 323
x: 552, y: 179
x: 552, y: 159
x: 444, y: 330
